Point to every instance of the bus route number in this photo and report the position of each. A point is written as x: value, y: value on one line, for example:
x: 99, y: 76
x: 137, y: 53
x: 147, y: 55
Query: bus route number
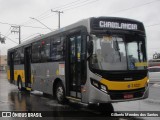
x: 136, y: 85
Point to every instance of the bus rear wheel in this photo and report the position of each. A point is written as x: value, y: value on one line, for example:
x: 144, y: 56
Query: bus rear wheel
x: 60, y: 93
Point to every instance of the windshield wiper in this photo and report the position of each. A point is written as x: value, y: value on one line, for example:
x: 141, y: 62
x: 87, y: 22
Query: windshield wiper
x: 138, y: 50
x: 117, y: 49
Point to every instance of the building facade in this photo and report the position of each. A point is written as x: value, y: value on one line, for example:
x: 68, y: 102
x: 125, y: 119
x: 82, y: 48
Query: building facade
x: 3, y: 62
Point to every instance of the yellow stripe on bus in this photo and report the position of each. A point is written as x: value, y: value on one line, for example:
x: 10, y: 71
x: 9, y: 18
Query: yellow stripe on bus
x: 141, y: 64
x: 124, y: 85
x: 21, y: 73
x: 16, y: 74
x: 29, y: 89
x: 8, y: 74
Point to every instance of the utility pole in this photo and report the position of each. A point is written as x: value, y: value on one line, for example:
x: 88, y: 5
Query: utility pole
x: 59, y: 14
x: 17, y: 29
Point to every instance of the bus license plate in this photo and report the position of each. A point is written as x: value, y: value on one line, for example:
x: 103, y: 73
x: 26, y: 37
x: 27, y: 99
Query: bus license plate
x: 128, y: 96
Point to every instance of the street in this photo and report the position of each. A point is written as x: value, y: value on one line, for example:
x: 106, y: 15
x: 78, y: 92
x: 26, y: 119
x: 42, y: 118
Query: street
x: 13, y: 100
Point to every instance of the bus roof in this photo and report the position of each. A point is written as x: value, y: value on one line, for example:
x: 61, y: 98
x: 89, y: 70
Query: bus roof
x: 84, y: 22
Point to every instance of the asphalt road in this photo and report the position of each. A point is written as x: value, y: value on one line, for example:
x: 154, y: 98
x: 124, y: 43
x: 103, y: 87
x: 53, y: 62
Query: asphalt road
x: 154, y: 77
x: 13, y: 100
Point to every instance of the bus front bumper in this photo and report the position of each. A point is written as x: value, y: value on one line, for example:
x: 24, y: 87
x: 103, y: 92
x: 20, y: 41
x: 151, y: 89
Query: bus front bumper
x: 97, y: 96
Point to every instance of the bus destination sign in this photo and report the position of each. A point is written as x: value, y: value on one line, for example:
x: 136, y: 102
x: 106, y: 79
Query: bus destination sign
x: 113, y: 23
x: 117, y: 25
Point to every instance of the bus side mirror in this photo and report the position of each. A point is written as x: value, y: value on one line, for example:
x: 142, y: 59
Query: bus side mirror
x: 90, y: 48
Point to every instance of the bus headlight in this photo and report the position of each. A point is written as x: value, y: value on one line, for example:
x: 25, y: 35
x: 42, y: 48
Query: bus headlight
x: 95, y: 83
x: 98, y: 85
x: 103, y: 88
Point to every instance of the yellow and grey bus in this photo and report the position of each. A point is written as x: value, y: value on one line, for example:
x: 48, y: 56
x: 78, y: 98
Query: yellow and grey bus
x: 96, y: 60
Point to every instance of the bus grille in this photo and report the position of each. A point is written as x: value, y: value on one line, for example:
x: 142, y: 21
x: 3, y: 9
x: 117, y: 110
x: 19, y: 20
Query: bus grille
x: 120, y: 77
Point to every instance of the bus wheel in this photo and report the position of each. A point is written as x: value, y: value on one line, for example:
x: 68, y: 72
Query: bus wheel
x: 106, y: 108
x: 20, y: 84
x: 60, y: 93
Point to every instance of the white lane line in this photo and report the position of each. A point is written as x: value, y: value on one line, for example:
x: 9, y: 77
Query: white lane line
x: 156, y: 85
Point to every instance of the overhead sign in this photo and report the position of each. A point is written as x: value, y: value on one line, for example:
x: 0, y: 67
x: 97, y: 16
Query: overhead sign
x: 117, y: 25
x: 113, y: 23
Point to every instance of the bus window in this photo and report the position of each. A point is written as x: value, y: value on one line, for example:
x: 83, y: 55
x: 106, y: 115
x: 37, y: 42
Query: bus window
x: 45, y: 50
x: 36, y: 57
x: 21, y: 52
x: 17, y: 57
x: 56, y: 49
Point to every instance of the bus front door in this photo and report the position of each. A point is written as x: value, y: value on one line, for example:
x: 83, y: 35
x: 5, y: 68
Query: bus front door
x: 75, y: 68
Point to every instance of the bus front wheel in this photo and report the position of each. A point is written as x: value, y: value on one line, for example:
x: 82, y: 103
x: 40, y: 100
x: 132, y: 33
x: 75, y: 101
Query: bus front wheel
x: 106, y: 108
x: 60, y: 93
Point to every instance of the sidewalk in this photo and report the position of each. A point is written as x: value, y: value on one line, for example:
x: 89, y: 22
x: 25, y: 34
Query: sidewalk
x: 3, y: 74
x: 154, y: 93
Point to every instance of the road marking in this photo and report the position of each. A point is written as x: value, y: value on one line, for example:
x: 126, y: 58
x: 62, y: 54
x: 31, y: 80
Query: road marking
x: 55, y: 104
x: 123, y: 119
x: 156, y: 85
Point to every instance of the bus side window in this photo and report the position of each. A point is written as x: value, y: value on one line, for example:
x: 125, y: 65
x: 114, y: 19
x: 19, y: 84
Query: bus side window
x: 17, y: 60
x: 56, y: 49
x: 21, y: 52
x: 36, y: 56
x: 45, y: 50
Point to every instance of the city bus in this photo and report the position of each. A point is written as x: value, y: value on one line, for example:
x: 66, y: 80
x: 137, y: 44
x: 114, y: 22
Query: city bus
x: 93, y: 61
x: 153, y: 62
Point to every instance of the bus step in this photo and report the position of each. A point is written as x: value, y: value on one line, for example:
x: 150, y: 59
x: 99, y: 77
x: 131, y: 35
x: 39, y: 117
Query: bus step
x: 29, y: 89
x: 73, y: 98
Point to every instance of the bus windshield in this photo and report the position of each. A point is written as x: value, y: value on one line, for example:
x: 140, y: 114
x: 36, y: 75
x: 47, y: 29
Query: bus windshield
x: 118, y: 53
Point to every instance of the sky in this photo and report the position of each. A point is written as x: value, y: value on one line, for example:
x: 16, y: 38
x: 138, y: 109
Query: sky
x: 20, y: 12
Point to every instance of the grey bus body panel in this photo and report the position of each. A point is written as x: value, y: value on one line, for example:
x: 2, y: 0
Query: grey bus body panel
x: 19, y: 67
x: 44, y: 76
x: 92, y: 94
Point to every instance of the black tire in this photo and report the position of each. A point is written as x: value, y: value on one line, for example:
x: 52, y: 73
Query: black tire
x: 106, y: 108
x: 60, y: 93
x: 20, y: 88
x: 45, y: 94
x: 92, y: 106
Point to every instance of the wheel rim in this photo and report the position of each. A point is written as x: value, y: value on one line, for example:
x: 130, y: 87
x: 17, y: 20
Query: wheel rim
x: 60, y: 93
